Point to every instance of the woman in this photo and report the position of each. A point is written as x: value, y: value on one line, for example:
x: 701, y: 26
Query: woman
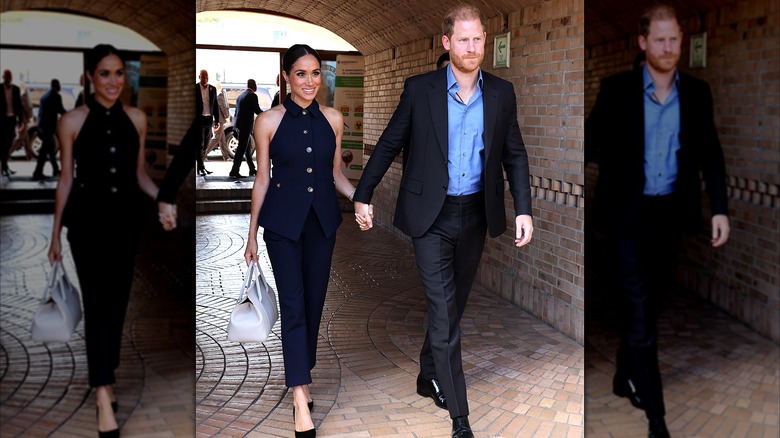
x: 99, y: 198
x: 299, y: 212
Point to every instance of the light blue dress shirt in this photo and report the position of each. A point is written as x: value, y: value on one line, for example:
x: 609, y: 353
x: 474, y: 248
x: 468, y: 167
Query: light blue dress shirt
x: 662, y: 138
x: 466, y: 123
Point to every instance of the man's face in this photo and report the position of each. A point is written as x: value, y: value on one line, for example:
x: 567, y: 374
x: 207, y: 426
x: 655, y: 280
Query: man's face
x: 204, y: 78
x: 662, y: 45
x: 466, y: 45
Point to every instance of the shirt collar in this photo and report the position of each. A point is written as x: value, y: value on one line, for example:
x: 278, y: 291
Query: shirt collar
x: 647, y: 80
x: 451, y: 81
x: 295, y: 109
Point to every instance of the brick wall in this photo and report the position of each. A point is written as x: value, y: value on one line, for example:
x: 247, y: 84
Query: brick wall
x: 743, y: 69
x: 546, y: 68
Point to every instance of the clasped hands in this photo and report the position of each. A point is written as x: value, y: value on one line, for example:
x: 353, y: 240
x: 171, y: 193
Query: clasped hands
x: 167, y: 215
x: 364, y: 215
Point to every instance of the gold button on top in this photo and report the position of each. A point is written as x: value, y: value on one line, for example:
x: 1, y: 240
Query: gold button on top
x: 305, y: 131
x: 278, y: 185
x: 112, y: 170
x: 108, y: 131
x: 113, y: 189
x: 112, y: 149
x: 304, y: 112
x: 308, y: 150
x: 310, y: 189
x: 309, y: 170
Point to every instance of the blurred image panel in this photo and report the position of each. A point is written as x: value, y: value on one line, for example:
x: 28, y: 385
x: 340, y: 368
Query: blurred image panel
x: 94, y: 114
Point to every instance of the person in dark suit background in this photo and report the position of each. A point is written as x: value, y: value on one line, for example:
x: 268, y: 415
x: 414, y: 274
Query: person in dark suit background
x: 49, y: 111
x: 452, y: 191
x: 13, y: 117
x: 246, y: 108
x: 652, y: 130
x: 207, y: 109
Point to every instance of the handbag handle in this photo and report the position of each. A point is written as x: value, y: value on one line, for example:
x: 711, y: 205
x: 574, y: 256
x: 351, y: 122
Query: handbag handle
x: 254, y: 271
x: 56, y: 267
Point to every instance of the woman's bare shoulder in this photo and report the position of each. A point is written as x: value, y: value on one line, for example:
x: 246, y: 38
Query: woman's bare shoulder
x: 271, y: 117
x: 73, y: 119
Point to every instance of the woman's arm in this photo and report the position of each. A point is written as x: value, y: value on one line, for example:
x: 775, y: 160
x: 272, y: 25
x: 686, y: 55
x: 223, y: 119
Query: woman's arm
x: 67, y: 130
x: 144, y: 180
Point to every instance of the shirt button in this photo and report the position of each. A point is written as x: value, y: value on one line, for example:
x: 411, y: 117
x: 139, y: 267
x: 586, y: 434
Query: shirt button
x: 310, y: 189
x: 112, y: 149
x: 304, y: 112
x: 278, y: 185
x: 112, y: 170
x: 308, y: 150
x: 462, y: 174
x: 309, y: 170
x: 305, y: 131
x: 108, y: 132
x: 113, y: 189
x: 108, y: 113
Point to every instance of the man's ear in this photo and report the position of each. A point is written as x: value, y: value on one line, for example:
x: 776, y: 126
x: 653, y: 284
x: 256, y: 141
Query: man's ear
x: 445, y: 42
x: 642, y: 42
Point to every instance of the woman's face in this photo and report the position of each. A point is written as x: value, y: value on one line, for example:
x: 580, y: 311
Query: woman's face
x: 108, y: 79
x: 305, y: 78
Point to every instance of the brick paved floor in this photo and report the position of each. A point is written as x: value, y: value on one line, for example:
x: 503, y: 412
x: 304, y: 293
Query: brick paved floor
x: 524, y: 378
x: 44, y: 389
x: 720, y: 378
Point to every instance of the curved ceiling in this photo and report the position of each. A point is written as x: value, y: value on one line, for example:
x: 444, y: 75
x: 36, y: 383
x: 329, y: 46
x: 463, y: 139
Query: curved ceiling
x: 369, y: 25
x: 170, y: 24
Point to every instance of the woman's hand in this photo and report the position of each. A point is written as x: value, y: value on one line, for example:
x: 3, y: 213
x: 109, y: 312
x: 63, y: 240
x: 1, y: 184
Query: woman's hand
x: 250, y: 253
x: 55, y: 251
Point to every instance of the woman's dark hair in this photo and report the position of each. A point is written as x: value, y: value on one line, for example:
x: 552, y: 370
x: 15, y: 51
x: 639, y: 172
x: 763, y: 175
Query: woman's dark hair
x: 93, y: 56
x: 294, y: 53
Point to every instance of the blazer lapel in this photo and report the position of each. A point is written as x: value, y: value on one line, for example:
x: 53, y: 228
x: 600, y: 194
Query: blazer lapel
x: 437, y: 105
x: 490, y: 113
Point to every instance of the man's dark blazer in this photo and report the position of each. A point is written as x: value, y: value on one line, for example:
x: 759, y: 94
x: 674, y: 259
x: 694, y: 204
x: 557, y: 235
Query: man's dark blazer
x: 16, y: 99
x: 422, y: 115
x: 615, y: 136
x: 212, y: 102
x: 49, y: 110
x: 246, y: 108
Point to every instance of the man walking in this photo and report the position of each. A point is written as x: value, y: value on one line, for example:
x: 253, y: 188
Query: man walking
x: 13, y: 117
x: 462, y: 127
x: 653, y: 131
x: 246, y: 108
x: 208, y: 112
x: 48, y: 113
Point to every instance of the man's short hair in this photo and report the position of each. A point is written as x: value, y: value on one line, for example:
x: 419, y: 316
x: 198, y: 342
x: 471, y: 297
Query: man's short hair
x: 251, y: 84
x: 656, y: 12
x: 462, y: 12
x: 55, y: 84
x: 445, y: 57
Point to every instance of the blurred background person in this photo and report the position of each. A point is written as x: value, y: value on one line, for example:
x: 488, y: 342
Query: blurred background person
x: 49, y: 112
x: 13, y: 119
x: 220, y: 139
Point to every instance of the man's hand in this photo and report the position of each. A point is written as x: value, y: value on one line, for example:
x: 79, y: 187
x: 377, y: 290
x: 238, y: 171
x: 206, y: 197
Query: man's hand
x: 364, y: 215
x: 524, y: 229
x: 720, y: 230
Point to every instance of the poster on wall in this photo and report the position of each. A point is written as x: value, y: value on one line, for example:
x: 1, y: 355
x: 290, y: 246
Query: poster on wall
x: 153, y: 101
x: 348, y: 98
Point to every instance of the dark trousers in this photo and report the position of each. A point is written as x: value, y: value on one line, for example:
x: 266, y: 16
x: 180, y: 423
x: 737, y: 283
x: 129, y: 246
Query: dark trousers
x: 205, y: 125
x: 46, y: 153
x: 448, y: 256
x: 105, y: 283
x: 7, y: 135
x: 301, y: 270
x: 646, y: 257
x: 242, y: 151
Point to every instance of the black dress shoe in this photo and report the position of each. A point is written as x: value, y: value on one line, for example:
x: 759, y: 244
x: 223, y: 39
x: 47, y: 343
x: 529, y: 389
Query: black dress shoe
x: 623, y: 387
x: 253, y: 172
x: 7, y: 172
x: 208, y: 172
x: 432, y: 389
x: 461, y: 428
x: 311, y: 433
x: 236, y: 176
x: 39, y: 177
x: 656, y: 428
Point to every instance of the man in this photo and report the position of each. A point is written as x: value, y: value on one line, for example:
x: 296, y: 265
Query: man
x: 208, y: 112
x: 49, y: 112
x: 653, y: 131
x: 462, y: 127
x: 246, y: 108
x: 13, y: 118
